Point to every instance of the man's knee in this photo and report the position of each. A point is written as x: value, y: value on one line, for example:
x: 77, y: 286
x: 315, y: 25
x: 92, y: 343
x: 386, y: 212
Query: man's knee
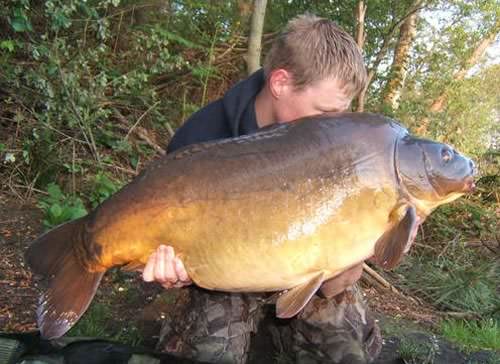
x: 211, y: 327
x: 340, y: 330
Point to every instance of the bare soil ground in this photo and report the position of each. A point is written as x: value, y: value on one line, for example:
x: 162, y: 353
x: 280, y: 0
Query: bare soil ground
x: 20, y: 224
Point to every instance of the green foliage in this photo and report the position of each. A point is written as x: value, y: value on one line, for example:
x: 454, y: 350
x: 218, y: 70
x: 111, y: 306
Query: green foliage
x: 79, y: 80
x: 8, y: 45
x: 103, y: 188
x: 18, y: 18
x: 97, y: 323
x: 469, y: 120
x: 93, y: 322
x: 59, y: 208
x: 456, y: 281
x: 473, y: 335
x: 449, y: 272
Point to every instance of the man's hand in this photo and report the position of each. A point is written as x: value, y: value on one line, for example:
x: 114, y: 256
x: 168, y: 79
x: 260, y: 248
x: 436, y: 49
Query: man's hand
x: 164, y: 267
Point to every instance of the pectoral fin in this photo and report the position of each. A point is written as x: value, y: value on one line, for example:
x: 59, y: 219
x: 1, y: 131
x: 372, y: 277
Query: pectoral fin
x: 391, y: 246
x: 133, y: 267
x: 292, y: 301
x: 340, y: 283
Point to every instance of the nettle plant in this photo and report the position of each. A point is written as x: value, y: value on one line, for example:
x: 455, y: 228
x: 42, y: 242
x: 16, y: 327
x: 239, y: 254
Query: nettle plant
x: 59, y: 207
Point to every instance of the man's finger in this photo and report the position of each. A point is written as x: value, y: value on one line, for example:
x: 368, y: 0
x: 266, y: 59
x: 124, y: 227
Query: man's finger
x: 148, y: 272
x: 161, y: 253
x: 169, y: 272
x: 181, y: 271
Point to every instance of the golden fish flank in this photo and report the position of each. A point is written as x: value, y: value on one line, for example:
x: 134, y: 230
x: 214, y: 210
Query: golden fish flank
x: 316, y: 216
x: 291, y: 208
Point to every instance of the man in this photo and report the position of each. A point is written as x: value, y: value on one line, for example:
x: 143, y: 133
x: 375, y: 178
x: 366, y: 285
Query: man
x: 313, y: 67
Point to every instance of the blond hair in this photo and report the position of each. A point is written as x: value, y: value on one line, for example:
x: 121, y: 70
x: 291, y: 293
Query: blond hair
x: 313, y: 49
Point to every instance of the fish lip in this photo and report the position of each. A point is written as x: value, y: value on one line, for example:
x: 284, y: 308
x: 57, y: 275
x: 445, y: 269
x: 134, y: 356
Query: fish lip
x: 469, y: 184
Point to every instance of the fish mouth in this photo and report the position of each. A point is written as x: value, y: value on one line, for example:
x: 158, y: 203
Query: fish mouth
x: 469, y: 185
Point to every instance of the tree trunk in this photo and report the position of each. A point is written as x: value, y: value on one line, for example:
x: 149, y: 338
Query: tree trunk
x: 439, y: 103
x: 360, y: 41
x: 360, y: 30
x: 399, y: 68
x: 415, y: 7
x: 255, y: 37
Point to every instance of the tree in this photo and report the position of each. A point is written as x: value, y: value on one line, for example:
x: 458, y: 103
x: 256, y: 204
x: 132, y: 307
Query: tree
x: 439, y: 102
x: 385, y: 45
x: 255, y: 37
x: 401, y: 61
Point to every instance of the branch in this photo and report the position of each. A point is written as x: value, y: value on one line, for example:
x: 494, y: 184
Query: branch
x: 379, y: 279
x: 140, y: 132
x: 360, y: 30
x: 417, y: 6
x: 439, y: 103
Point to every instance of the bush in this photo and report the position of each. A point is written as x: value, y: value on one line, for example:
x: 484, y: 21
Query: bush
x: 59, y: 208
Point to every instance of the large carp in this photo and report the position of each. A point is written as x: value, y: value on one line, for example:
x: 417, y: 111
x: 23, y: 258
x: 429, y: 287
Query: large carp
x: 290, y: 208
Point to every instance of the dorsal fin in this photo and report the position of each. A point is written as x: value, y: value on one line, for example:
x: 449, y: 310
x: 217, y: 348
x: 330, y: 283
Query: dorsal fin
x: 264, y: 133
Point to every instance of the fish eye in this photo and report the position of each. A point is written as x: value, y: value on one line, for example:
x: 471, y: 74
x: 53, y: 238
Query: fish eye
x: 446, y: 154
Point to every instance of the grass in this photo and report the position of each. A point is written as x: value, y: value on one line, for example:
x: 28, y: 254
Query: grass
x: 92, y: 323
x: 473, y: 335
x: 97, y: 322
x: 451, y: 269
x: 448, y: 270
x: 412, y: 352
x: 101, y: 321
x: 453, y: 282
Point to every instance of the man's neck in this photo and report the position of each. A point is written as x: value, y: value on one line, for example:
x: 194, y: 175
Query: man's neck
x: 264, y: 108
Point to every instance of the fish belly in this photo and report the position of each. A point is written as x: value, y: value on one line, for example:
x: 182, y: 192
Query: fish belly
x: 237, y: 248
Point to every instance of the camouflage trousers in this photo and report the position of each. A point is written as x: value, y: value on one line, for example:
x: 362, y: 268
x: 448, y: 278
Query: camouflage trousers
x: 217, y: 328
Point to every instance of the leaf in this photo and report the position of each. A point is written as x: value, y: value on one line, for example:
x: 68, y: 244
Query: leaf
x: 8, y: 45
x: 20, y: 22
x: 56, y: 210
x: 181, y: 40
x: 19, y: 25
x: 78, y: 212
x: 54, y: 191
x: 52, y: 69
x: 134, y: 160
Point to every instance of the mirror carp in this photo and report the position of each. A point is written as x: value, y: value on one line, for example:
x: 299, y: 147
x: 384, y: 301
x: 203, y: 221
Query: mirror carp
x: 294, y: 208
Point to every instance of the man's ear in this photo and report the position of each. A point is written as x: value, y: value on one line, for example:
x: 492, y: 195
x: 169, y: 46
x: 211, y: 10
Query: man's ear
x: 280, y: 82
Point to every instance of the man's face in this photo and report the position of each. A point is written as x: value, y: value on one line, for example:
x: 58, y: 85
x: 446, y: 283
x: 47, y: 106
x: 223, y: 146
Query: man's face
x: 323, y: 96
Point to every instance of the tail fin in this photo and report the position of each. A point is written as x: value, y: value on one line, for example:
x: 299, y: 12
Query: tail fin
x: 71, y: 286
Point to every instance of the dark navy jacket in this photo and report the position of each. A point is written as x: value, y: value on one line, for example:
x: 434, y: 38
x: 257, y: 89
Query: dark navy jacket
x: 231, y: 116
